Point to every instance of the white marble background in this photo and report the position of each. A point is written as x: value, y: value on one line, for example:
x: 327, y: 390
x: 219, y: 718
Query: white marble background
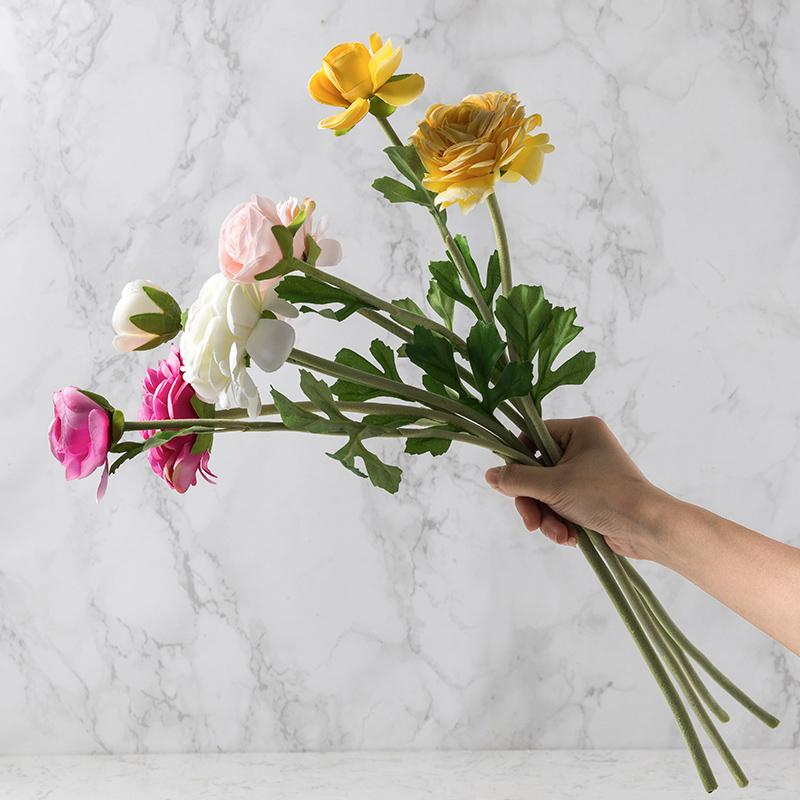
x: 292, y: 606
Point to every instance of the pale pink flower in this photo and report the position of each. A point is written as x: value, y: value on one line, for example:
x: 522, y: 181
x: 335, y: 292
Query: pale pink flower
x: 80, y: 435
x: 248, y: 247
x: 168, y: 396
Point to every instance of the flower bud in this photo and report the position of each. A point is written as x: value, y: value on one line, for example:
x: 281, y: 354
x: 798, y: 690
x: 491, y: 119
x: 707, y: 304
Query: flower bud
x: 145, y: 317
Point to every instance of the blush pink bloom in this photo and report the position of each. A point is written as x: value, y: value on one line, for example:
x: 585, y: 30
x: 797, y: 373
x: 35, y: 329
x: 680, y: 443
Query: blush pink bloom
x: 80, y: 435
x: 248, y: 247
x: 168, y: 396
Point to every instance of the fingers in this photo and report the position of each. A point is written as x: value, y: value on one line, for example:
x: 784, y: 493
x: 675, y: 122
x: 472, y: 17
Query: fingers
x: 521, y: 480
x: 536, y: 516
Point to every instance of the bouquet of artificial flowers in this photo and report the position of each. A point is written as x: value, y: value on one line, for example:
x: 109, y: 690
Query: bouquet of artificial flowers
x: 483, y: 351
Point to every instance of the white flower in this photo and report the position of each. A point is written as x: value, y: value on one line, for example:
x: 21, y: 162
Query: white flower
x: 224, y: 325
x: 144, y: 317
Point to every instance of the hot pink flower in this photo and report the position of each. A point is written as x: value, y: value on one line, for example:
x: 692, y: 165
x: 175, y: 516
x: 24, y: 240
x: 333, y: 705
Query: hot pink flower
x: 168, y: 396
x: 80, y: 435
x: 248, y: 247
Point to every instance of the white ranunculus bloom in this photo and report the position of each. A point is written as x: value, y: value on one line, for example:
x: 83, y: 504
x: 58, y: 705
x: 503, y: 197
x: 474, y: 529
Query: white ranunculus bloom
x: 223, y: 325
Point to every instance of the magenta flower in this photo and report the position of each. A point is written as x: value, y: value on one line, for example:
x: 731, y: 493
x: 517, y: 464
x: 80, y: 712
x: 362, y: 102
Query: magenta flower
x: 80, y: 435
x: 168, y: 396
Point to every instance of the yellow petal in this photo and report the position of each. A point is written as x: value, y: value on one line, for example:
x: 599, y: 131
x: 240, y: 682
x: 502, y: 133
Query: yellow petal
x: 349, y: 71
x: 402, y: 92
x: 323, y: 91
x: 375, y: 42
x: 528, y: 163
x: 350, y: 116
x: 384, y: 64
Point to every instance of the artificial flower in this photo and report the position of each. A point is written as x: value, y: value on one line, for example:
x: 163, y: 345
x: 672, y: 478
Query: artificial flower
x: 467, y: 148
x: 80, y: 435
x: 145, y: 317
x: 351, y: 75
x: 247, y: 246
x: 167, y: 395
x: 226, y: 324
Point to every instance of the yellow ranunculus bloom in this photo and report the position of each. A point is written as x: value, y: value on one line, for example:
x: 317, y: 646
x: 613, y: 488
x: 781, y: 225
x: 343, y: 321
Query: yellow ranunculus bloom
x: 467, y: 148
x: 351, y: 75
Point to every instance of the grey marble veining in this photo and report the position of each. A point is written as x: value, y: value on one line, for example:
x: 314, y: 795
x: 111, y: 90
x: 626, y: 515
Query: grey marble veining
x: 292, y: 606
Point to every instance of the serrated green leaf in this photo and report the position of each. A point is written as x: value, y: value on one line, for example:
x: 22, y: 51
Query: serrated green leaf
x: 434, y: 355
x: 445, y: 275
x: 574, y: 371
x: 525, y: 316
x: 516, y: 380
x: 441, y: 303
x: 349, y: 390
x: 319, y: 393
x: 407, y: 161
x: 560, y: 332
x: 493, y: 278
x: 484, y: 348
x: 396, y: 192
x: 407, y: 304
x: 381, y: 475
x: 302, y: 289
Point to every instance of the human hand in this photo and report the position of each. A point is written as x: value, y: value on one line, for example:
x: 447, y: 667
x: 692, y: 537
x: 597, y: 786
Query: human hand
x: 595, y: 485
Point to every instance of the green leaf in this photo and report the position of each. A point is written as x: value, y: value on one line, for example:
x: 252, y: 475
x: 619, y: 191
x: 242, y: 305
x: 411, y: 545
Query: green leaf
x: 124, y: 447
x: 99, y: 399
x: 572, y: 372
x: 166, y: 302
x: 302, y: 289
x: 380, y: 108
x: 312, y: 250
x: 349, y: 390
x: 560, y: 332
x: 381, y: 475
x: 434, y: 355
x: 407, y: 161
x: 396, y: 192
x: 202, y: 444
x: 436, y: 447
x: 525, y: 316
x: 202, y: 409
x: 297, y: 222
x: 446, y: 277
x: 484, y: 348
x: 319, y: 393
x: 285, y: 240
x: 516, y: 380
x: 441, y: 303
x: 407, y: 304
x: 283, y: 267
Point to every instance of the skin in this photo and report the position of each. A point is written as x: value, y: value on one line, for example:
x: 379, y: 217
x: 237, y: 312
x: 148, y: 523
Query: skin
x: 597, y: 485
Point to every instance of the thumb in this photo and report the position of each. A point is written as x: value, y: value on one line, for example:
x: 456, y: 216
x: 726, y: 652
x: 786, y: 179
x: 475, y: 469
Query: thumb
x: 521, y: 480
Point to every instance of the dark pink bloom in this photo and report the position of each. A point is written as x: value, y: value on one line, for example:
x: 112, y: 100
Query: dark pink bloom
x: 168, y: 396
x: 80, y: 435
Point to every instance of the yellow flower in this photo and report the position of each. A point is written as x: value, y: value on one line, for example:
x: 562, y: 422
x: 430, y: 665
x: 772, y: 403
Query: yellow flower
x: 351, y: 75
x: 467, y: 148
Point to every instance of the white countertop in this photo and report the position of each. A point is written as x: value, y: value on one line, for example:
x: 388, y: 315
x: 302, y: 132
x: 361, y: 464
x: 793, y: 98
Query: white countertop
x: 451, y: 775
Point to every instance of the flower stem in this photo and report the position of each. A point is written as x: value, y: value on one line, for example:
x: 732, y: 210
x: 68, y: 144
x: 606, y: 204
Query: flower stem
x: 389, y: 131
x: 413, y: 393
x: 660, y: 613
x: 502, y: 242
x: 587, y: 546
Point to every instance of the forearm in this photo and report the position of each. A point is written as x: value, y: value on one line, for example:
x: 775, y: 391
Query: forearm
x: 755, y: 576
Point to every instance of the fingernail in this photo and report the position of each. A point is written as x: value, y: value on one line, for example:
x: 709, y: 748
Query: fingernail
x: 492, y: 477
x: 572, y: 541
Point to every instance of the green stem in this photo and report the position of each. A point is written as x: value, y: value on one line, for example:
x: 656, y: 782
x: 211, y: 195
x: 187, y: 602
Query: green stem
x: 413, y: 393
x: 655, y: 634
x: 408, y: 318
x: 660, y: 613
x: 608, y: 582
x: 502, y: 242
x: 389, y: 131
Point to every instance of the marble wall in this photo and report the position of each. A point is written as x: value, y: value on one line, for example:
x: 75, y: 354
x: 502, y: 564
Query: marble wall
x: 292, y: 606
